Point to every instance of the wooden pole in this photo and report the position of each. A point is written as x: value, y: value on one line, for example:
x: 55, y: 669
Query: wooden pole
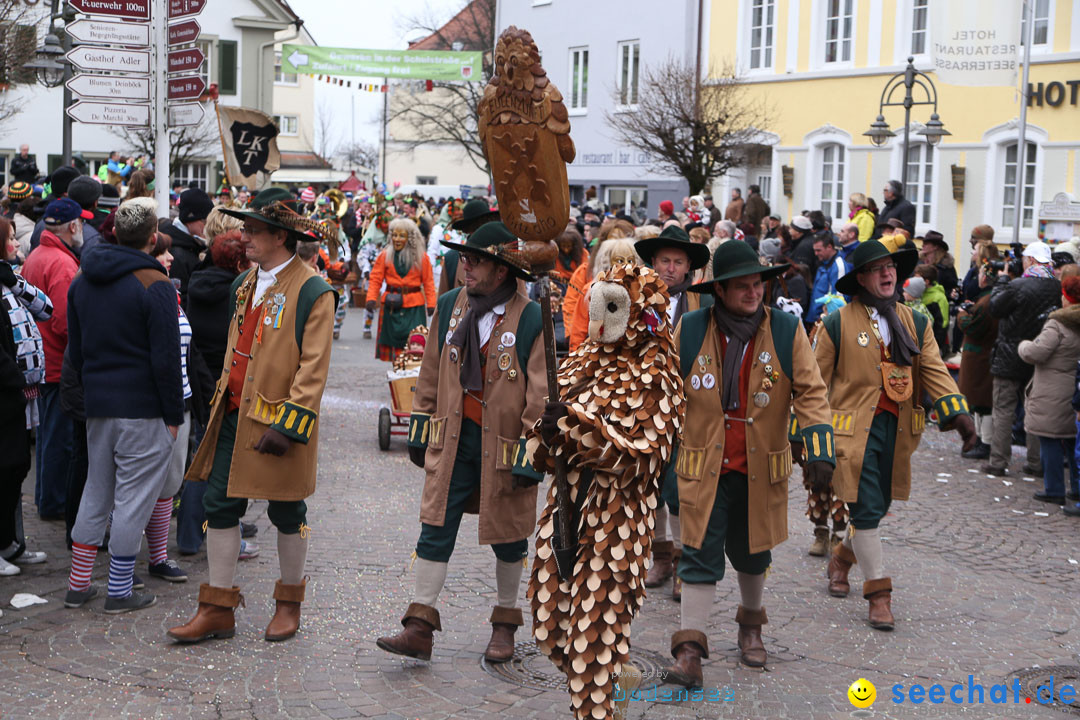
x: 224, y: 150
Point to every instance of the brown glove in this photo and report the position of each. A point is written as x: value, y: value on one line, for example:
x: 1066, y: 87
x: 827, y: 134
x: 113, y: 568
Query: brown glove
x: 798, y: 454
x: 549, y: 421
x: 273, y: 442
x: 819, y: 474
x: 371, y: 305
x: 417, y: 455
x: 964, y: 425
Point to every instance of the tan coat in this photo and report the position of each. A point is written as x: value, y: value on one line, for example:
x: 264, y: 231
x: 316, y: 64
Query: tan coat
x: 1054, y: 353
x: 854, y: 379
x: 283, y: 389
x: 513, y: 406
x: 768, y: 452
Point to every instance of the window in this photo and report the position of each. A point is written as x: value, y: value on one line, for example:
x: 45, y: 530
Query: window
x: 288, y: 125
x: 629, y: 199
x: 1042, y: 24
x: 199, y: 173
x: 919, y: 173
x: 1027, y: 193
x: 765, y: 183
x: 579, y: 79
x: 629, y: 54
x: 839, y: 24
x: 228, y: 67
x: 426, y: 179
x: 920, y: 8
x: 832, y: 180
x: 282, y: 78
x: 204, y: 69
x: 762, y: 14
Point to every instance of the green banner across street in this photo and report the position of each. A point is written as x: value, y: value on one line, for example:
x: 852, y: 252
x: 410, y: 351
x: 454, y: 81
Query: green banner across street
x: 409, y: 64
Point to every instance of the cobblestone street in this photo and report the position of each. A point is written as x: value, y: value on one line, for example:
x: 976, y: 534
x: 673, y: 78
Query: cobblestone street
x: 985, y: 585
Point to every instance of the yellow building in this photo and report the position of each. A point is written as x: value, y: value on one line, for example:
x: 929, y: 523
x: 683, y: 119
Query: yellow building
x: 821, y: 65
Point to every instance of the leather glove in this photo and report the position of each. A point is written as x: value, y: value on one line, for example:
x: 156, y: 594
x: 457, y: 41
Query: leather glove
x: 798, y: 454
x: 549, y: 421
x: 430, y: 312
x: 819, y: 474
x: 520, y: 482
x: 964, y: 425
x: 371, y: 305
x: 7, y: 275
x: 416, y: 455
x: 272, y: 442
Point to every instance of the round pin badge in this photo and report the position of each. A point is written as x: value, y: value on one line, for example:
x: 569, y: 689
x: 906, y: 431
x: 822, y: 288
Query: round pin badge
x: 695, y: 382
x: 863, y: 339
x: 449, y: 335
x: 512, y: 375
x: 761, y: 399
x: 764, y: 356
x: 267, y: 320
x: 504, y: 362
x: 709, y: 381
x: 453, y: 354
x: 453, y: 323
x: 508, y: 339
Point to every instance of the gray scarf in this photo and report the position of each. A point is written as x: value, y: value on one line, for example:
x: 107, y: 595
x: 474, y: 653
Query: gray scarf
x: 902, y: 347
x: 682, y: 304
x: 467, y: 334
x: 740, y: 330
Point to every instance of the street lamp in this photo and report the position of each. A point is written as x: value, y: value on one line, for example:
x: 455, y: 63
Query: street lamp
x: 47, y: 64
x: 52, y: 68
x: 879, y: 132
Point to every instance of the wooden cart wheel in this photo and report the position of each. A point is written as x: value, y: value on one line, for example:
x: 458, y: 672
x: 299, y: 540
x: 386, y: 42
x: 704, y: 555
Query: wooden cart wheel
x: 384, y: 429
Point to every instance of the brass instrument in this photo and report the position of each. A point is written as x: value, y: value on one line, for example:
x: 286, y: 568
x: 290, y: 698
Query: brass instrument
x: 341, y: 203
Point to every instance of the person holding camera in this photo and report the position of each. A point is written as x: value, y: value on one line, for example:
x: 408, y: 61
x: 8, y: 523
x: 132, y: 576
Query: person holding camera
x: 980, y: 330
x: 1021, y: 306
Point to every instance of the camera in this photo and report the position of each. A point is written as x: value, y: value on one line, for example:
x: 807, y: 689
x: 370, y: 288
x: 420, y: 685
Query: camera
x: 996, y: 265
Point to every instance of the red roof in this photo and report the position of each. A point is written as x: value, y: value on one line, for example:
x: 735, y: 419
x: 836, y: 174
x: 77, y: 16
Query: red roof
x: 471, y: 27
x: 351, y: 184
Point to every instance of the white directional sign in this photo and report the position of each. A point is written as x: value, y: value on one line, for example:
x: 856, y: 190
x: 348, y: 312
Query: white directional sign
x: 104, y: 32
x: 185, y: 114
x: 94, y: 58
x: 103, y: 113
x: 118, y: 87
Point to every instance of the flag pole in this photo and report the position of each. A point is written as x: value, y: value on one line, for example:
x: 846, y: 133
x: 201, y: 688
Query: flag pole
x: 224, y: 151
x: 1021, y: 142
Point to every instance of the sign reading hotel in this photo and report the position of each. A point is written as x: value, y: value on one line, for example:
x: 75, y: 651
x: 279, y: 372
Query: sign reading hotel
x: 976, y: 42
x: 444, y: 66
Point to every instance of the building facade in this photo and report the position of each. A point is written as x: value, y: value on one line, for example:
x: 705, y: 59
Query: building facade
x: 595, y: 53
x: 821, y: 65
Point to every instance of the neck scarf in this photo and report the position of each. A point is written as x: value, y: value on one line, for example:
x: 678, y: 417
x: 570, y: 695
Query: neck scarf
x: 902, y: 346
x: 682, y: 304
x: 1038, y: 270
x: 740, y: 331
x: 467, y: 335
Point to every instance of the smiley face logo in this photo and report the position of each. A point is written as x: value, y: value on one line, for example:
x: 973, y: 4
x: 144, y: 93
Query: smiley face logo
x: 862, y: 693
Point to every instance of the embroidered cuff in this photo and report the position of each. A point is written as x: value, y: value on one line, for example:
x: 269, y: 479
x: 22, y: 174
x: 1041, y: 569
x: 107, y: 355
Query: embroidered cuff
x: 949, y: 407
x: 523, y: 465
x: 793, y: 434
x: 418, y: 430
x: 295, y: 422
x: 819, y: 444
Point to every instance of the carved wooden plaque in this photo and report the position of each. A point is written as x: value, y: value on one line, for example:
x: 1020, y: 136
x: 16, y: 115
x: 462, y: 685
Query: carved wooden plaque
x: 525, y: 132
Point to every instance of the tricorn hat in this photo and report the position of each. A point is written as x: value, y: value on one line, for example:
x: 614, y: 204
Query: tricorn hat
x: 277, y: 208
x: 871, y: 251
x: 494, y: 240
x: 734, y: 259
x: 475, y: 213
x: 677, y: 238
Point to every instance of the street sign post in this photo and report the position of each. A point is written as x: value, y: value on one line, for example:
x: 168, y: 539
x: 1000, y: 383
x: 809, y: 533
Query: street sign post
x: 86, y: 57
x: 186, y: 87
x: 127, y: 9
x: 185, y: 32
x: 185, y: 60
x: 182, y: 114
x: 104, y: 32
x: 104, y: 113
x: 115, y: 87
x: 184, y: 8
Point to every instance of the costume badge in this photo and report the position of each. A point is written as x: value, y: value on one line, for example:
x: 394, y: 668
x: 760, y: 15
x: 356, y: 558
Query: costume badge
x: 512, y: 375
x: 864, y: 339
x: 267, y: 320
x: 508, y: 339
x: 695, y: 382
x: 457, y: 311
x: 701, y: 361
x: 449, y: 335
x: 504, y: 362
x: 764, y: 356
x: 761, y: 399
x: 279, y: 299
x: 453, y: 323
x: 708, y: 380
x: 453, y: 353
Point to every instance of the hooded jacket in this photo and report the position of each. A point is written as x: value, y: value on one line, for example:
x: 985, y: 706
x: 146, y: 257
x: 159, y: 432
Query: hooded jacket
x: 1021, y: 306
x: 209, y: 312
x: 1054, y: 353
x: 51, y: 268
x: 124, y: 336
x: 185, y: 250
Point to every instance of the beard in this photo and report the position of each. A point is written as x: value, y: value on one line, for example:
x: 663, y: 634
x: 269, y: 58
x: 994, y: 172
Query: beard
x: 77, y: 239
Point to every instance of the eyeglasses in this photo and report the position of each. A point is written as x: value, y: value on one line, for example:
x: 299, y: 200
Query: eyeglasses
x: 880, y: 269
x: 471, y: 260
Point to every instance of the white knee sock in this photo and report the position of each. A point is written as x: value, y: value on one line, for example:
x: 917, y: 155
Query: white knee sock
x: 676, y: 530
x: 847, y: 538
x: 697, y: 601
x: 292, y: 556
x: 430, y: 578
x: 222, y: 552
x: 660, y: 524
x: 751, y: 589
x: 867, y: 547
x: 508, y: 582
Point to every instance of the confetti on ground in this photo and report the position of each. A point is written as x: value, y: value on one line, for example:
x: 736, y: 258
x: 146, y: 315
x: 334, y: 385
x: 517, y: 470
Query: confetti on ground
x: 991, y: 476
x: 1073, y: 562
x: 997, y: 499
x: 21, y: 600
x: 944, y: 475
x: 1042, y: 514
x: 1018, y: 512
x: 1007, y: 483
x: 942, y: 480
x: 973, y: 470
x: 1027, y: 479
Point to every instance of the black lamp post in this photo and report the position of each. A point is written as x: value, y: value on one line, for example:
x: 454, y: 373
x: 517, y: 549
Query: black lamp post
x: 879, y: 132
x: 52, y: 68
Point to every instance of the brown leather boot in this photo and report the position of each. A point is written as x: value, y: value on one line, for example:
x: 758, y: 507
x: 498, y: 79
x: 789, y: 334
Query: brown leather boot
x: 751, y: 649
x: 688, y: 647
x: 819, y: 547
x: 286, y: 620
x: 504, y: 623
x: 840, y: 563
x: 879, y: 593
x: 215, y: 617
x: 417, y: 639
x: 662, y: 568
x: 676, y: 584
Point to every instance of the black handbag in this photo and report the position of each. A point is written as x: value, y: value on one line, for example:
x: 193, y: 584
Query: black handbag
x: 394, y: 301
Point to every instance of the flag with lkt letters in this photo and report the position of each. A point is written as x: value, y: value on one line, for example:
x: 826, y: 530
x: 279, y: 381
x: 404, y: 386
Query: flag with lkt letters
x: 250, y: 140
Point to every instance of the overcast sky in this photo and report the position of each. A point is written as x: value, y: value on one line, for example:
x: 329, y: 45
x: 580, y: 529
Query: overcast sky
x: 374, y: 24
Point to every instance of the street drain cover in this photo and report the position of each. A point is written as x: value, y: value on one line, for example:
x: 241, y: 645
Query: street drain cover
x: 1059, y: 675
x: 531, y: 668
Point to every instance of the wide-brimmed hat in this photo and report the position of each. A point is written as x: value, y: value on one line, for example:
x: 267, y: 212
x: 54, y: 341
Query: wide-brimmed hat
x: 494, y: 240
x: 871, y: 251
x: 734, y: 259
x: 277, y: 208
x: 677, y: 238
x: 935, y: 238
x: 476, y: 212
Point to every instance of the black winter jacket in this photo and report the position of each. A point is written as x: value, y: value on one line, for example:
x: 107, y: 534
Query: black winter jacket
x: 1021, y: 306
x: 901, y: 209
x: 185, y: 251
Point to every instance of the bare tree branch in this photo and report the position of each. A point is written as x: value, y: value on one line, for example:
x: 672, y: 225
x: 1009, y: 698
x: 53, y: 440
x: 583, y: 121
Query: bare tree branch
x: 189, y: 143
x: 325, y: 142
x: 359, y: 154
x: 20, y: 24
x: 701, y: 145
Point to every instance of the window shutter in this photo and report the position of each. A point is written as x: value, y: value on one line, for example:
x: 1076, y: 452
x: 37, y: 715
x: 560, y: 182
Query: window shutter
x: 227, y: 67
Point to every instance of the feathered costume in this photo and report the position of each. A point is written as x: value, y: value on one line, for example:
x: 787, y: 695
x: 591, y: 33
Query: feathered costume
x: 625, y: 407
